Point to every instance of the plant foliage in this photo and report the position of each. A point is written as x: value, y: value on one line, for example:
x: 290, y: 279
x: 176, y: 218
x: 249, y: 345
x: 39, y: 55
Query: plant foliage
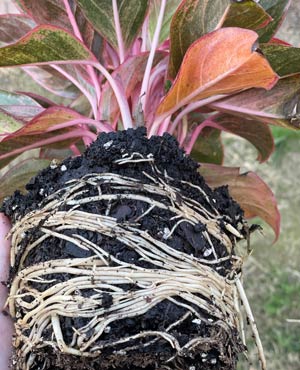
x: 113, y: 60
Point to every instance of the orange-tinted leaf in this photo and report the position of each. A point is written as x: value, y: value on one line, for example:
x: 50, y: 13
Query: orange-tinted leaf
x: 36, y: 131
x: 50, y: 117
x: 221, y: 62
x: 248, y: 189
x: 192, y: 20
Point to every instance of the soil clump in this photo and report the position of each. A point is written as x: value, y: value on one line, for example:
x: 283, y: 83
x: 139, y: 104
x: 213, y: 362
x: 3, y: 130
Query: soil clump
x: 144, y: 233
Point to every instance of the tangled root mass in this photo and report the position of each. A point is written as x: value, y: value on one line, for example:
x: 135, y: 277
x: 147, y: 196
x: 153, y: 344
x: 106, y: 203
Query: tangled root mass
x: 124, y: 258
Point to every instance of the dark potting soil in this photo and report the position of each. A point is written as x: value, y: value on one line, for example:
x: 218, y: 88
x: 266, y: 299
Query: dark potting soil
x: 174, y: 167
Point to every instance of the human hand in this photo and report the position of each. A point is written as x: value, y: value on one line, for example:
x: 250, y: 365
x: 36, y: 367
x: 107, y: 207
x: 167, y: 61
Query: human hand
x: 6, y: 326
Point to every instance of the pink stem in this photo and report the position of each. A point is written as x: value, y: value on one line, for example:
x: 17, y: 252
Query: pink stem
x: 184, y: 130
x: 89, y: 68
x: 121, y: 98
x: 164, y: 126
x: 73, y: 134
x: 75, y: 150
x: 189, y: 108
x: 118, y: 31
x: 154, y: 44
x: 145, y: 34
x: 227, y: 107
x: 198, y: 104
x: 207, y: 123
x: 158, y: 72
x: 85, y: 92
x: 136, y: 47
x: 113, y: 56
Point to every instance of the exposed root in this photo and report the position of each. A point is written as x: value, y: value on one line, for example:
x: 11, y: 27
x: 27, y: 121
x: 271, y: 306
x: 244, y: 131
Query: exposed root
x: 182, y: 279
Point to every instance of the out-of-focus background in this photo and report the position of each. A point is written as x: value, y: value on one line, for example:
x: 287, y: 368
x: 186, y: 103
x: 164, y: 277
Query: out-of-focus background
x: 272, y: 273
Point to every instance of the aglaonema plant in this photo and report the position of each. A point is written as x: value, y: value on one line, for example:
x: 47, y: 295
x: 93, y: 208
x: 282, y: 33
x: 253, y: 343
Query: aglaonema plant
x: 123, y: 256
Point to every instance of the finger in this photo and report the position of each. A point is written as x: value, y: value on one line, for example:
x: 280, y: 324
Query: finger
x: 4, y: 257
x: 6, y: 326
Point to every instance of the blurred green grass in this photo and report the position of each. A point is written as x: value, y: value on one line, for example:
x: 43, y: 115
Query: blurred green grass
x: 272, y: 272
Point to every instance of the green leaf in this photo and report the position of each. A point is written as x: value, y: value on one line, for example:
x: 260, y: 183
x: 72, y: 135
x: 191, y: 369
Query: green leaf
x: 171, y: 7
x: 246, y: 14
x: 15, y: 109
x: 208, y: 148
x: 257, y: 133
x: 100, y: 13
x: 48, y: 118
x: 193, y: 19
x: 44, y: 44
x: 277, y: 10
x: 8, y: 123
x: 53, y: 81
x: 279, y: 106
x: 13, y: 27
x: 53, y: 12
x: 18, y: 175
x: 285, y: 60
x: 249, y: 190
x: 10, y: 98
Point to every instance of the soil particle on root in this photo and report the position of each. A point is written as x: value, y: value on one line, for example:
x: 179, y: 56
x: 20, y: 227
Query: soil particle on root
x: 122, y: 260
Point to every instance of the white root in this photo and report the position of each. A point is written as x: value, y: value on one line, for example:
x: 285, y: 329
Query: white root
x: 252, y: 322
x: 184, y: 280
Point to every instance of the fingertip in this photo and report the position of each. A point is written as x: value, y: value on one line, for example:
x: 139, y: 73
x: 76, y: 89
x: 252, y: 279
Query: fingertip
x: 5, y: 226
x: 6, y: 333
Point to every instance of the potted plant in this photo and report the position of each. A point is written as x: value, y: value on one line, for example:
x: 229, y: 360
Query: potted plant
x: 122, y: 256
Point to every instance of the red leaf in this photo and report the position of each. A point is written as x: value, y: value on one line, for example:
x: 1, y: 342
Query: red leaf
x: 45, y: 120
x: 278, y: 106
x: 35, y: 132
x: 249, y: 190
x: 257, y: 133
x: 277, y: 41
x: 222, y: 62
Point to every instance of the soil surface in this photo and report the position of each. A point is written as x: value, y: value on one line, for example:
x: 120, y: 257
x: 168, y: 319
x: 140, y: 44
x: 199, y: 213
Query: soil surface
x: 220, y: 350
